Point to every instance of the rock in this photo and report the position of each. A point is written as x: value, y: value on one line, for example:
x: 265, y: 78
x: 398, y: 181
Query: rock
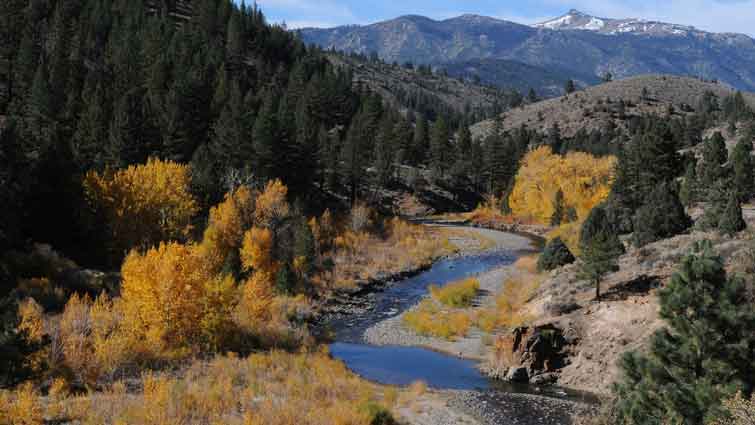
x: 544, y: 379
x: 518, y: 375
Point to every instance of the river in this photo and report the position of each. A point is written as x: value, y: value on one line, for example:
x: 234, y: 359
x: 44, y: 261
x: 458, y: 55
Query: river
x: 394, y: 365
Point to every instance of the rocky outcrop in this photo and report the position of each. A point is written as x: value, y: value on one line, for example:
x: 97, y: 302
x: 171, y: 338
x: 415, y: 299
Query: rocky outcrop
x: 539, y: 351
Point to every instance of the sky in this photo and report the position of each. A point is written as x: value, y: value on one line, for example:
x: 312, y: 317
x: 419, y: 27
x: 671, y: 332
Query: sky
x: 709, y: 15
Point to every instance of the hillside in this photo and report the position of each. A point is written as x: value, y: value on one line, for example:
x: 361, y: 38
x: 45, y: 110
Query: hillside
x: 631, y: 50
x: 593, y: 107
x: 547, y: 82
x: 429, y: 93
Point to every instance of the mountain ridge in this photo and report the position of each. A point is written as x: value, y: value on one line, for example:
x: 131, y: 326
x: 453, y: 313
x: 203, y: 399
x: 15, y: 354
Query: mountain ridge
x: 620, y: 47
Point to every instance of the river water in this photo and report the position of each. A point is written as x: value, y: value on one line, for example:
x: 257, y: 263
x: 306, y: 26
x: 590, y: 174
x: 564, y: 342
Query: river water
x: 404, y: 365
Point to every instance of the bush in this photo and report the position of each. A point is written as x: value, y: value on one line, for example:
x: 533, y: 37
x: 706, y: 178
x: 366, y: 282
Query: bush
x: 555, y: 255
x: 458, y: 294
x: 428, y: 319
x: 731, y: 221
x: 661, y: 217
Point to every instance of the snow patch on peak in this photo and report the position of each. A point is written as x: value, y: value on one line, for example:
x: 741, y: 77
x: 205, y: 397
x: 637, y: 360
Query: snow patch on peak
x: 594, y: 24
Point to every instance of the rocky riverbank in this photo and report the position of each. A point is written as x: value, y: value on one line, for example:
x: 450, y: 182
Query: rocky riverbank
x: 491, y: 408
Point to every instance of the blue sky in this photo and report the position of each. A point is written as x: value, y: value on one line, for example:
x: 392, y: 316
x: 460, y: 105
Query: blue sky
x: 711, y: 15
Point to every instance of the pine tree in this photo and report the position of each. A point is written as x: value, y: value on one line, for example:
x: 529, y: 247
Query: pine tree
x: 440, y: 149
x: 599, y: 257
x: 265, y: 139
x: 649, y: 159
x: 742, y: 166
x: 11, y: 27
x: 715, y: 156
x: 40, y: 109
x: 403, y: 134
x: 464, y: 143
x: 705, y: 354
x: 570, y: 87
x: 717, y: 198
x: 92, y: 128
x: 554, y: 138
x: 600, y: 247
x: 304, y: 247
x: 420, y: 141
x: 532, y: 96
x: 384, y: 152
x: 688, y: 189
x: 231, y: 141
x: 556, y: 254
x: 353, y: 156
x: 661, y: 217
x: 731, y: 221
x: 129, y: 136
x: 559, y: 209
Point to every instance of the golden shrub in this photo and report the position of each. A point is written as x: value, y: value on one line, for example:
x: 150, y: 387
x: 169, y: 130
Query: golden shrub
x: 430, y: 320
x: 256, y: 251
x: 162, y: 294
x: 143, y: 204
x: 21, y: 407
x: 456, y: 294
x: 32, y: 320
x: 227, y: 223
x: 271, y: 207
x: 584, y: 180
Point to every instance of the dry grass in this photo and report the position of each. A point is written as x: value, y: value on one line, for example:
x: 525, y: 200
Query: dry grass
x: 275, y: 388
x: 443, y: 315
x: 365, y: 255
x: 488, y: 214
x: 458, y: 294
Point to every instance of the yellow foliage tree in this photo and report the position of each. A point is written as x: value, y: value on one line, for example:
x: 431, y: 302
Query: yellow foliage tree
x: 228, y: 222
x: 143, y: 204
x: 162, y: 294
x: 271, y: 207
x: 256, y: 256
x: 256, y: 251
x: 584, y: 180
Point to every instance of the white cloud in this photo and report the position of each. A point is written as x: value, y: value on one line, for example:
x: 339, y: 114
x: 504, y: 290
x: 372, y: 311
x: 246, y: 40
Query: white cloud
x: 298, y: 24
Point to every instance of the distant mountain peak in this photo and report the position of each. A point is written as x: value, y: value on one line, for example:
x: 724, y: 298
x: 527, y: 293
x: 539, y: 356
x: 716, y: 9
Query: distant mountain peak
x: 578, y: 20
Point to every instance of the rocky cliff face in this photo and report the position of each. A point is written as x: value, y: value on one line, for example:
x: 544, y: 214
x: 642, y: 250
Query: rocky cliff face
x: 575, y: 44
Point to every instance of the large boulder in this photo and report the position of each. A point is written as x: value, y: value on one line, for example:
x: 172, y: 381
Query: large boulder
x: 540, y: 350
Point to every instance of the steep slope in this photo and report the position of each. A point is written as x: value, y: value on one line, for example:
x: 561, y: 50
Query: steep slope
x: 593, y: 107
x: 623, y: 47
